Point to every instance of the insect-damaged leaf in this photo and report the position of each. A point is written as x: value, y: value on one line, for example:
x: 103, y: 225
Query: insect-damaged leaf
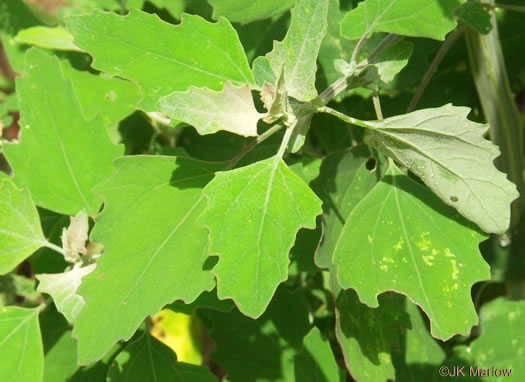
x: 231, y: 109
x: 448, y: 152
x: 20, y: 230
x: 154, y: 253
x: 253, y: 214
x: 195, y: 52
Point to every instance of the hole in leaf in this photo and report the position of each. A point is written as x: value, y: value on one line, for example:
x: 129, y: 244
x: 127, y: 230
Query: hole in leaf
x: 371, y: 164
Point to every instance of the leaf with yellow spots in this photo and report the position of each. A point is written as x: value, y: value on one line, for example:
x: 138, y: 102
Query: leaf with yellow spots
x: 401, y: 237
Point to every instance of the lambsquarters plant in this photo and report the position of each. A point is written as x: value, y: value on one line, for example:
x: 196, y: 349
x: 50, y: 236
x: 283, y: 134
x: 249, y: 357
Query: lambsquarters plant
x: 272, y: 195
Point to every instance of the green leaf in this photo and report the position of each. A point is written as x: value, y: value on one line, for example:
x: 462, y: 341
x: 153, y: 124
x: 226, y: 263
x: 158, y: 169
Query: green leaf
x: 343, y: 181
x: 195, y: 52
x: 206, y: 300
x: 400, y: 237
x: 20, y: 231
x: 20, y: 345
x: 390, y: 62
x: 420, y: 355
x: 316, y: 361
x: 110, y: 97
x: 243, y: 11
x: 231, y: 109
x: 63, y: 287
x: 297, y: 53
x: 448, y: 152
x: 333, y: 47
x: 501, y: 343
x: 57, y: 38
x: 261, y: 350
x: 306, y: 167
x: 151, y: 205
x: 262, y: 71
x: 475, y: 16
x: 405, y: 17
x: 174, y: 7
x: 57, y: 143
x: 60, y: 349
x: 148, y: 359
x: 368, y: 336
x: 265, y: 204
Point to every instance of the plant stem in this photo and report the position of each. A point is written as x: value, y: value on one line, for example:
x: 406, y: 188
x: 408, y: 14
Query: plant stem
x: 358, y: 46
x: 451, y: 38
x: 497, y: 101
x: 340, y: 85
x: 515, y: 8
x: 342, y: 117
x: 377, y: 106
x: 286, y: 139
x: 53, y: 247
x: 267, y: 134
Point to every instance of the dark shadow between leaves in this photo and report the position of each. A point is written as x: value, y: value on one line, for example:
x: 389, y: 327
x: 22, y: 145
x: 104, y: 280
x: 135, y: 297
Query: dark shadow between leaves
x: 307, y: 369
x: 376, y: 330
x: 337, y: 165
x: 191, y: 173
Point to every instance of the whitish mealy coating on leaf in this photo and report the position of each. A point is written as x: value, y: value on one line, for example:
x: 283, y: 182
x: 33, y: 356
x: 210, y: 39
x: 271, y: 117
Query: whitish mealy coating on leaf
x: 298, y: 52
x: 20, y: 231
x: 253, y: 214
x: 401, y: 237
x: 154, y: 253
x: 162, y: 58
x: 63, y: 287
x: 20, y: 345
x: 243, y: 11
x: 75, y: 236
x: 431, y: 18
x: 231, y: 109
x: 57, y: 143
x: 448, y: 152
